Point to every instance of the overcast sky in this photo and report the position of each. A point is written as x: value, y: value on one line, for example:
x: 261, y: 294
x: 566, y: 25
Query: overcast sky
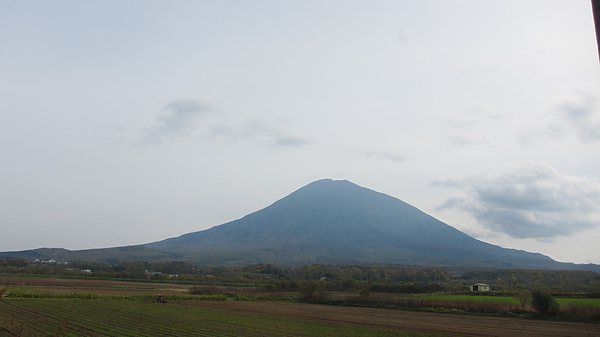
x: 127, y: 122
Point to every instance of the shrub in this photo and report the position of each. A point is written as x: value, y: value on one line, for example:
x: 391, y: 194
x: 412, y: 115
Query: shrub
x: 544, y: 303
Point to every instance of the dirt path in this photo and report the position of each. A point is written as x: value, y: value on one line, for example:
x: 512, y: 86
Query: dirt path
x: 446, y: 324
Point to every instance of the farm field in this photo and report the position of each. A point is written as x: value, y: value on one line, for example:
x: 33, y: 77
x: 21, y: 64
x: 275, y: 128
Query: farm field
x: 74, y: 317
x: 60, y: 285
x: 76, y: 307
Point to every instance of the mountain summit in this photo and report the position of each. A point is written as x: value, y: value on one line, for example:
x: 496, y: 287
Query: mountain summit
x: 328, y: 222
x: 331, y: 221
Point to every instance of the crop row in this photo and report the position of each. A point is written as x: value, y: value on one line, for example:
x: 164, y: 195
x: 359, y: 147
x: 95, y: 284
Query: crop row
x: 36, y: 293
x: 109, y: 317
x: 26, y: 320
x: 68, y: 317
x: 126, y: 318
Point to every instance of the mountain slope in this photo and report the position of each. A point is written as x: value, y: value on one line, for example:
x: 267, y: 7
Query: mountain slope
x: 339, y: 222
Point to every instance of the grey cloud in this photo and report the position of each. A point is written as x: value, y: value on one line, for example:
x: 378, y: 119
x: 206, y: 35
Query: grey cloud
x: 531, y: 200
x: 187, y: 118
x: 188, y: 106
x: 579, y: 116
x: 289, y: 140
x: 177, y: 119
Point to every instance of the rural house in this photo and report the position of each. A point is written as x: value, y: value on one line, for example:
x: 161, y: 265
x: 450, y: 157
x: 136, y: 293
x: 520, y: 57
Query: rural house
x: 480, y: 287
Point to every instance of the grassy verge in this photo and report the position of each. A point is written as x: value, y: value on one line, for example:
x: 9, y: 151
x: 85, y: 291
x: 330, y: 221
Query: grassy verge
x: 594, y: 302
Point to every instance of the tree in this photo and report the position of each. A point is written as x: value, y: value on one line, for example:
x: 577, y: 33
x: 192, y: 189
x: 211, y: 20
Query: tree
x: 313, y: 290
x: 524, y: 298
x: 350, y: 284
x: 365, y: 293
x: 543, y: 302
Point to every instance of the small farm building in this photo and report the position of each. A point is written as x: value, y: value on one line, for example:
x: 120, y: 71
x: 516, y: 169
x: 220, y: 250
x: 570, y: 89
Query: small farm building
x: 480, y: 287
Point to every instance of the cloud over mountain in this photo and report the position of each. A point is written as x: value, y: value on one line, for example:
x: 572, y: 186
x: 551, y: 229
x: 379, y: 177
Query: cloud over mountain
x: 530, y: 200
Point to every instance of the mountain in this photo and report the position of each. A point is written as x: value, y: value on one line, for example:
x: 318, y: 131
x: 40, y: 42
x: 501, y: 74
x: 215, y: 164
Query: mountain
x: 331, y: 221
x: 328, y: 222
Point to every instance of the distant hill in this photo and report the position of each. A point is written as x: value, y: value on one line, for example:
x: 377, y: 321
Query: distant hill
x: 328, y: 222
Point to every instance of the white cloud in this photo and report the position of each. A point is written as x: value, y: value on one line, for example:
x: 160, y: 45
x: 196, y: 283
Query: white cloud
x: 531, y: 200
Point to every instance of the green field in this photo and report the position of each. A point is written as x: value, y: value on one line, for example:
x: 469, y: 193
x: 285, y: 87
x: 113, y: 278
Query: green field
x: 78, y: 317
x: 508, y: 299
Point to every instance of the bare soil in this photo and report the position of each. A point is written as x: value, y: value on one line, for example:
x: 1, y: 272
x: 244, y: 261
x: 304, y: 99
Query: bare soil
x: 434, y: 323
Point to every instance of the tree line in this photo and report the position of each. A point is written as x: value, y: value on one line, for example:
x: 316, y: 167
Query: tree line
x: 378, y: 278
